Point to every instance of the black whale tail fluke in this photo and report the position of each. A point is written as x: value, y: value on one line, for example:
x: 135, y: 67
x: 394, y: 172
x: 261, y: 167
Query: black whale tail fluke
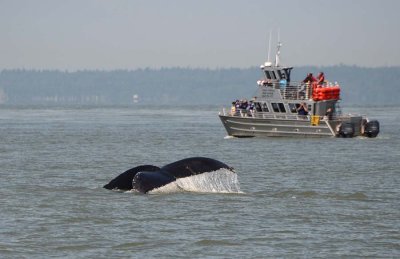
x: 123, y: 182
x: 147, y: 177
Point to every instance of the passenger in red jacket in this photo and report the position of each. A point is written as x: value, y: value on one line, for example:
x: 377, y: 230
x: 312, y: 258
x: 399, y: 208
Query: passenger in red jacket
x: 309, y: 78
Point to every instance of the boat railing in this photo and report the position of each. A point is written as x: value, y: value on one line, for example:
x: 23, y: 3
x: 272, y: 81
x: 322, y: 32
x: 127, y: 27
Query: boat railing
x: 296, y: 91
x: 306, y: 91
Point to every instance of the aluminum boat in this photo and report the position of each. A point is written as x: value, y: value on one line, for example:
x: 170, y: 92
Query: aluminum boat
x: 290, y: 109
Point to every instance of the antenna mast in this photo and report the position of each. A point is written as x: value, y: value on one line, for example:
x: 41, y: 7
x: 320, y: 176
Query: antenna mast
x: 278, y: 50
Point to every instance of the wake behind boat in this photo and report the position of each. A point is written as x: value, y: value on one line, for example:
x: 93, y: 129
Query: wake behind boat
x: 285, y: 108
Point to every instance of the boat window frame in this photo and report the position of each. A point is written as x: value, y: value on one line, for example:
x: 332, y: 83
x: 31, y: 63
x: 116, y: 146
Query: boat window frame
x: 282, y: 107
x: 275, y: 107
x: 281, y: 75
x: 287, y: 73
x: 295, y: 106
x: 278, y: 107
x: 264, y: 107
x: 257, y: 107
x: 267, y: 74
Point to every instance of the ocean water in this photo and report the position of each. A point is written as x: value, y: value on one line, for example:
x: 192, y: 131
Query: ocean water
x: 289, y: 198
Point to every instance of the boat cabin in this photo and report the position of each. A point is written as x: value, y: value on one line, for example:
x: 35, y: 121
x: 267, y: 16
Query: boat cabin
x: 276, y: 73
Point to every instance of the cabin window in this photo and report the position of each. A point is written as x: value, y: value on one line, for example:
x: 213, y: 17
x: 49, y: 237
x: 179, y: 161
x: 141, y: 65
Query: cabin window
x: 278, y: 107
x: 273, y: 75
x: 267, y: 75
x: 287, y: 73
x: 281, y: 107
x: 293, y: 107
x: 258, y: 107
x: 265, y: 107
x: 282, y: 75
x: 275, y: 107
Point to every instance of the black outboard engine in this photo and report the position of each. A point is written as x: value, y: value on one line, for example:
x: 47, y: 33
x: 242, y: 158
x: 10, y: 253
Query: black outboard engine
x: 346, y: 130
x: 371, y: 129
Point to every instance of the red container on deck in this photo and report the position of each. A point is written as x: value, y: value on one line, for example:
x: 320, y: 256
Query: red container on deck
x: 336, y: 92
x: 316, y: 94
x: 324, y: 93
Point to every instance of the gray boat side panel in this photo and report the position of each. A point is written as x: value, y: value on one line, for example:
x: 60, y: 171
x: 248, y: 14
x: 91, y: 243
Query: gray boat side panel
x: 251, y: 127
x: 274, y: 122
x: 256, y: 132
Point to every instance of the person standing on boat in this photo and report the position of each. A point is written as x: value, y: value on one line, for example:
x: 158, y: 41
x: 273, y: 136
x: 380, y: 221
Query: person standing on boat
x: 250, y: 108
x: 309, y: 79
x: 233, y: 108
x: 302, y: 109
x: 321, y: 79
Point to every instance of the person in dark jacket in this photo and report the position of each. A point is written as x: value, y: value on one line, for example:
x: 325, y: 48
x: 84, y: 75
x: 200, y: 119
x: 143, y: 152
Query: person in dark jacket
x: 302, y: 109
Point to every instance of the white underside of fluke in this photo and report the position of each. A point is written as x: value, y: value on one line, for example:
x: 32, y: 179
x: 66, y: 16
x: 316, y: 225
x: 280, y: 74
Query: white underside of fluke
x: 219, y: 181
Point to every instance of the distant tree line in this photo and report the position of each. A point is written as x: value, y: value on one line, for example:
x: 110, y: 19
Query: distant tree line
x: 183, y: 86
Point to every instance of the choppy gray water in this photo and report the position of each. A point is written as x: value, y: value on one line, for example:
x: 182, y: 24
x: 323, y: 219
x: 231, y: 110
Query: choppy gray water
x: 301, y: 197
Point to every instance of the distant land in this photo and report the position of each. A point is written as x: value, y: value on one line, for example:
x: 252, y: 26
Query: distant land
x: 182, y: 86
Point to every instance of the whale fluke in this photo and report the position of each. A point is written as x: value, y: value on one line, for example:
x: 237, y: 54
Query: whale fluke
x: 148, y: 177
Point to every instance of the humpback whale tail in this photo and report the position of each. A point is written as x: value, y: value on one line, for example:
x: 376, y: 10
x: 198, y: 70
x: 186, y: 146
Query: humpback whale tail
x: 199, y: 174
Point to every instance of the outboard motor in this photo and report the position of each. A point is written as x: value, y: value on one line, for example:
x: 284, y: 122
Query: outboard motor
x: 371, y: 129
x: 346, y: 130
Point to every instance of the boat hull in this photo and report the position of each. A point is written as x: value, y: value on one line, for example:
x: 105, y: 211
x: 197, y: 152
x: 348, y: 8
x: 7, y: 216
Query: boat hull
x: 274, y: 127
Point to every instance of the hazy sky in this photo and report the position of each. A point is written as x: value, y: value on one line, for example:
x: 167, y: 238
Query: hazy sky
x: 130, y: 34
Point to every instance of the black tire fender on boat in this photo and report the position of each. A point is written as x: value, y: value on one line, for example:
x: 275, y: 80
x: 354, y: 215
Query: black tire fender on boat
x: 346, y: 130
x: 371, y: 129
